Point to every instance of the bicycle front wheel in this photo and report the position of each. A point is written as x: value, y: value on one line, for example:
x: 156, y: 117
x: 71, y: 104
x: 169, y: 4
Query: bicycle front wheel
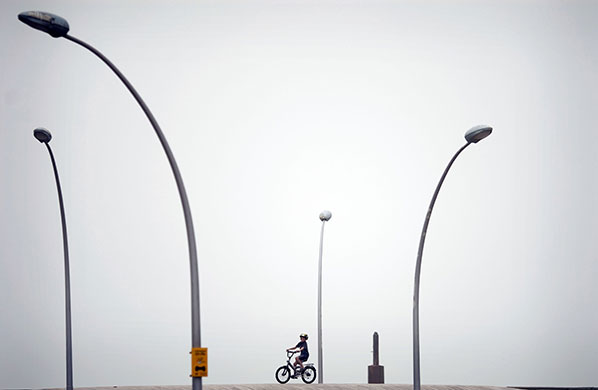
x: 309, y: 374
x: 283, y: 374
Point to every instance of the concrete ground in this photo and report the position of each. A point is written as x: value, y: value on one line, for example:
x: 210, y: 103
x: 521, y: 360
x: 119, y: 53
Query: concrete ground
x: 297, y: 386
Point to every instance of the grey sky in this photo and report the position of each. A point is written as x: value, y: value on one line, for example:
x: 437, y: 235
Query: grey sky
x: 276, y: 110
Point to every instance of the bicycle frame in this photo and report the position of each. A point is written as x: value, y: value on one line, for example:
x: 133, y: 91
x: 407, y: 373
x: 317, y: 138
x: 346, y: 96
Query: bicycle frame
x: 291, y: 365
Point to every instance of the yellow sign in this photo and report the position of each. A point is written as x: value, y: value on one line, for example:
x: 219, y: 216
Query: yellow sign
x: 199, y: 362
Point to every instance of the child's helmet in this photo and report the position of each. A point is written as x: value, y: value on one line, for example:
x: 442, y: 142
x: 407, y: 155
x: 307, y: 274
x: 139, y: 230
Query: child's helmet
x: 304, y: 335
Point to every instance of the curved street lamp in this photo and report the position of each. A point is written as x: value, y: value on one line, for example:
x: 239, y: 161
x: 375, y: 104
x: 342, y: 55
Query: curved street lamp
x: 58, y: 27
x: 324, y: 217
x: 473, y: 135
x: 44, y: 136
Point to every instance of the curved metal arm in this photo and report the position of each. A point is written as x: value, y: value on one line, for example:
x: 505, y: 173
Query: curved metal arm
x: 195, y: 314
x: 67, y: 278
x: 420, y: 251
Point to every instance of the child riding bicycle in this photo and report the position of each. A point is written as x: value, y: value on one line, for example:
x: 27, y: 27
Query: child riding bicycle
x: 304, y: 352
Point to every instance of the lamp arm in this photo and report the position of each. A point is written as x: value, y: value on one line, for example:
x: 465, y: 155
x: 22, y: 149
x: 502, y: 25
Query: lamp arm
x: 195, y: 317
x: 67, y: 278
x: 420, y: 251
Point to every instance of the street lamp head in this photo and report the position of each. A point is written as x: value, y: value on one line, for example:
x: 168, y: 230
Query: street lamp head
x: 478, y: 133
x: 42, y: 135
x: 325, y: 215
x: 46, y: 22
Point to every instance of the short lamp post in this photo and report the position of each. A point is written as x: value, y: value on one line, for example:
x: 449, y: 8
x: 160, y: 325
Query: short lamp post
x: 44, y: 136
x: 324, y: 217
x: 58, y: 27
x: 473, y: 135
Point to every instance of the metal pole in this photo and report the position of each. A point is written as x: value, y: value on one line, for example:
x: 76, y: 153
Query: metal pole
x: 420, y: 251
x: 320, y: 362
x: 195, y: 314
x: 67, y: 279
x: 376, y: 350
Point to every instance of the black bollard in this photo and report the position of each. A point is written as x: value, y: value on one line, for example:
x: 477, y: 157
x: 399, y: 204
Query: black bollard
x: 376, y: 371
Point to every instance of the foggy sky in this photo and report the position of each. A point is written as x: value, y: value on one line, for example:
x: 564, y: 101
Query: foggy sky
x: 275, y: 111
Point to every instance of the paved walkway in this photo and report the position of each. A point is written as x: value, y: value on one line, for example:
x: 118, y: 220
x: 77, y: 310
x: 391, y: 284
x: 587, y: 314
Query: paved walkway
x: 302, y: 386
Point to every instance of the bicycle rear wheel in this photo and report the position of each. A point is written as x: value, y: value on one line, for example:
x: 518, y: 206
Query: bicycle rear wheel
x: 283, y: 374
x: 309, y: 374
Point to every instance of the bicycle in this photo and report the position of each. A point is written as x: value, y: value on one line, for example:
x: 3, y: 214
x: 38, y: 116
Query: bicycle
x: 283, y: 373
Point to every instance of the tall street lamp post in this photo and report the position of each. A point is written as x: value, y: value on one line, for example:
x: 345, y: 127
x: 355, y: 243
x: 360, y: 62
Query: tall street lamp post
x: 473, y: 135
x: 44, y: 136
x: 324, y: 217
x: 58, y: 27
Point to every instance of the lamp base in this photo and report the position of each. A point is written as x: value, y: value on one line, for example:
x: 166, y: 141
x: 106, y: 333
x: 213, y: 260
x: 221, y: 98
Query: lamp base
x: 376, y: 374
